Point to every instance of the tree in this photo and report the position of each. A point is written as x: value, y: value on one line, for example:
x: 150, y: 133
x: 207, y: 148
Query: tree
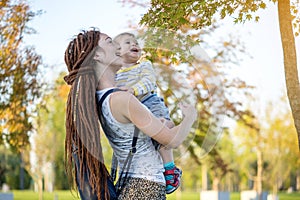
x: 10, y: 170
x: 290, y: 58
x: 198, y: 14
x: 253, y: 137
x: 51, y: 119
x: 268, y: 152
x: 281, y: 151
x: 47, y: 146
x: 48, y: 166
x: 20, y: 84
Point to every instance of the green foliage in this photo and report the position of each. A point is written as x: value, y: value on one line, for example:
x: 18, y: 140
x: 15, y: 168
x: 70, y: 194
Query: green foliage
x: 10, y: 169
x: 174, y: 15
x: 295, y: 12
x: 19, y: 75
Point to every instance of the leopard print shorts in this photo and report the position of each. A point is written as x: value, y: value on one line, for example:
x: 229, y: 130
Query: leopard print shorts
x: 138, y: 188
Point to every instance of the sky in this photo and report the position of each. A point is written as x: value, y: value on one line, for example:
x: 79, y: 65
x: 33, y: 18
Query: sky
x: 62, y: 20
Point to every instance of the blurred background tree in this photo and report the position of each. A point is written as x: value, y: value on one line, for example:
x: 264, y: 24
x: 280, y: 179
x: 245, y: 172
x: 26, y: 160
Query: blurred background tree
x: 20, y: 79
x: 267, y: 154
x: 199, y: 14
x: 10, y: 170
x: 45, y: 159
x: 20, y: 83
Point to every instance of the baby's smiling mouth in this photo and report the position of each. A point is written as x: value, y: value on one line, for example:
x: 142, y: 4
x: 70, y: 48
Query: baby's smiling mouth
x: 134, y: 50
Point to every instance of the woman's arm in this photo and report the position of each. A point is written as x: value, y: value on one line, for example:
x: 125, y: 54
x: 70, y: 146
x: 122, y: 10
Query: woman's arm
x: 127, y: 109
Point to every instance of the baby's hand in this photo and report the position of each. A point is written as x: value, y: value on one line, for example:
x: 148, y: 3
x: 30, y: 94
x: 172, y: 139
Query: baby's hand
x: 130, y: 90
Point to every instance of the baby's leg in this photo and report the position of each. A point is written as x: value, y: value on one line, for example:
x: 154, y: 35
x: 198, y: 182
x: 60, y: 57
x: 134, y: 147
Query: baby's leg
x: 167, y: 153
x: 172, y: 173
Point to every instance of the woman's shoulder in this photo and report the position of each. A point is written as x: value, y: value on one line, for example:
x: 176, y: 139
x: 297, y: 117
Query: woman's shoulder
x: 113, y: 93
x: 121, y: 96
x: 120, y: 100
x: 124, y: 102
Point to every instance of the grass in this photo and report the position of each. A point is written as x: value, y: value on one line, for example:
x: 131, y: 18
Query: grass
x: 56, y: 195
x: 67, y: 195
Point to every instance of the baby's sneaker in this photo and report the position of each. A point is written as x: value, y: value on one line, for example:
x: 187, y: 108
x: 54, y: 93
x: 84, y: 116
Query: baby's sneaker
x: 172, y: 177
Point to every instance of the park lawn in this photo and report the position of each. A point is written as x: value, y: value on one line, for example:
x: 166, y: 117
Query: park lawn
x: 292, y: 196
x: 56, y: 195
x: 233, y: 196
x: 187, y: 195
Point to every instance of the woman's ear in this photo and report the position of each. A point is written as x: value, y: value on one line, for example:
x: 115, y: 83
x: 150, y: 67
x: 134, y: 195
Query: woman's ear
x: 99, y: 55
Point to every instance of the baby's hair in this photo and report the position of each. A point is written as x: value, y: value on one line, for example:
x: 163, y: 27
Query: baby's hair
x: 123, y: 34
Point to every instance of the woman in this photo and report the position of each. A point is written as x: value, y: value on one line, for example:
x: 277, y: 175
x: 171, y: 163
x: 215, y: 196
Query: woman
x: 92, y: 69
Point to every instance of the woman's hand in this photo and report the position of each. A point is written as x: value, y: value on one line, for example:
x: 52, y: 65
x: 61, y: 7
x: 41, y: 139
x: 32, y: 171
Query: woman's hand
x: 188, y: 110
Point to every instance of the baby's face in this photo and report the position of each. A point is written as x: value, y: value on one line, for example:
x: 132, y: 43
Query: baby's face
x: 130, y: 49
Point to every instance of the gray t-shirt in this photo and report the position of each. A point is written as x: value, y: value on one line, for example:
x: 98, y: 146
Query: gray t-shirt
x: 146, y: 162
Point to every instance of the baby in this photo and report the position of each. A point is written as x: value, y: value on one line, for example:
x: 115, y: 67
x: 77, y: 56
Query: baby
x: 139, y: 79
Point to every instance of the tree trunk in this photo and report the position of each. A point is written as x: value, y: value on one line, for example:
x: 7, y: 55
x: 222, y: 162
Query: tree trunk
x: 48, y: 177
x: 298, y: 180
x: 216, y: 183
x: 259, y: 173
x: 290, y: 61
x: 204, y: 177
x: 21, y: 173
x: 40, y: 188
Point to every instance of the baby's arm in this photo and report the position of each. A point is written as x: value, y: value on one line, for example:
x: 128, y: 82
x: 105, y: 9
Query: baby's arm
x: 128, y: 89
x: 147, y: 80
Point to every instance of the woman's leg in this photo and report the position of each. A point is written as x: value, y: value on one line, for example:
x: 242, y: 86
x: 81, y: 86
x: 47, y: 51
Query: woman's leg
x: 141, y: 189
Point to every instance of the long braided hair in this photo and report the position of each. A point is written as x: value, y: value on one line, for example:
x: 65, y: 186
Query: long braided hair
x: 82, y: 125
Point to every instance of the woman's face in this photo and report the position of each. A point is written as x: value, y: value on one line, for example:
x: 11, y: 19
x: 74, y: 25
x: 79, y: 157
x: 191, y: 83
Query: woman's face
x: 110, y: 54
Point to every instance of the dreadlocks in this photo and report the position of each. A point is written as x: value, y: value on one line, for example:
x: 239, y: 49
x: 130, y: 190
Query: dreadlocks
x: 82, y: 126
